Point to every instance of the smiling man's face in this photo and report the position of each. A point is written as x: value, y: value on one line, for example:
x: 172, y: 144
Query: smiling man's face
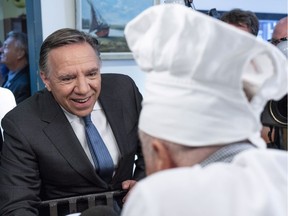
x: 74, y: 77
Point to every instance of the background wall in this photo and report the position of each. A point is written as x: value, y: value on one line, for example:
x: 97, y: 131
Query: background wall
x: 61, y: 13
x: 8, y: 10
x: 57, y: 14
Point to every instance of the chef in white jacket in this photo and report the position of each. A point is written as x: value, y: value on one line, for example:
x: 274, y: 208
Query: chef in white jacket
x: 206, y: 86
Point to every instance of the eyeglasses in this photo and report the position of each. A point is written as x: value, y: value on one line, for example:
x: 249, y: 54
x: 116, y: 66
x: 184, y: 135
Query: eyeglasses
x: 277, y: 41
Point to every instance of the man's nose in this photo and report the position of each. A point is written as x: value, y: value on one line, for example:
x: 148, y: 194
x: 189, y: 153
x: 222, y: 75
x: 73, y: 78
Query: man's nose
x: 82, y: 85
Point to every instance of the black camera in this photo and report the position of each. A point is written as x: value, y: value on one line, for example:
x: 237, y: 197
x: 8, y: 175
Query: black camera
x: 274, y: 116
x: 275, y: 113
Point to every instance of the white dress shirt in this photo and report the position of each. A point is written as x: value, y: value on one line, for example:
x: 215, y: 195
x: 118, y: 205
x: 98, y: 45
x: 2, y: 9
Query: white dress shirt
x: 100, y: 121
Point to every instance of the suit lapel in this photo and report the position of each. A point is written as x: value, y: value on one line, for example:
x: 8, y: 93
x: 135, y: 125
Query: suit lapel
x: 61, y: 134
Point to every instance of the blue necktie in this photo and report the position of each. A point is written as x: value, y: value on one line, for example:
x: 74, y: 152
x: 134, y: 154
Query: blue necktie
x: 100, y: 154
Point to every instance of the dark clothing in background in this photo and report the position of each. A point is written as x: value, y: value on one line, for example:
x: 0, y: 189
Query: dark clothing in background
x: 20, y: 85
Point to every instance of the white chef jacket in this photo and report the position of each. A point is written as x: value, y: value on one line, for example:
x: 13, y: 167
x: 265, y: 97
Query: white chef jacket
x: 253, y: 184
x: 7, y: 102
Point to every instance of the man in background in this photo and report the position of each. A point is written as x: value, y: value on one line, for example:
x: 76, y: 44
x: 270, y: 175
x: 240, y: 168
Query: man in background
x: 274, y: 116
x: 200, y: 121
x: 245, y: 20
x: 14, y: 55
x: 280, y: 31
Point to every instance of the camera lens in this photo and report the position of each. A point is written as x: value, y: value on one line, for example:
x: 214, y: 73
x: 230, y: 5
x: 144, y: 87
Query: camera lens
x: 278, y: 110
x: 275, y: 113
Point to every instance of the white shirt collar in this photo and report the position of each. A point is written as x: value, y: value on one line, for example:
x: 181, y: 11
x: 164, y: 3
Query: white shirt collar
x: 71, y: 117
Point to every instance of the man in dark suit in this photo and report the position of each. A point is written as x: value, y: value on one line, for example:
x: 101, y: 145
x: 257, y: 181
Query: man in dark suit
x: 14, y: 55
x: 46, y: 154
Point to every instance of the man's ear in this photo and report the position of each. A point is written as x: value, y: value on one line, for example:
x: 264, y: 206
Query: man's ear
x: 163, y: 159
x: 20, y: 54
x: 45, y: 80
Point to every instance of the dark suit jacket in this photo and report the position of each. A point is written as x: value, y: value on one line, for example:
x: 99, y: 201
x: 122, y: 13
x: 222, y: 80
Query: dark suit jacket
x: 43, y: 159
x: 20, y: 85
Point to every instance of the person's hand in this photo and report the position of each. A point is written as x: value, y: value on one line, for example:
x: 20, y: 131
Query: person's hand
x: 127, y: 185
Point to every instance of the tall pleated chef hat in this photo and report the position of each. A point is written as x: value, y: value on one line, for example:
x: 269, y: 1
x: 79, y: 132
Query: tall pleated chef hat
x: 206, y: 82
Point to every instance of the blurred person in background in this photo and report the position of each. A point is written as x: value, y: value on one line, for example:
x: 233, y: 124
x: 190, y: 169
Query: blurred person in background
x: 280, y: 31
x: 14, y: 55
x: 245, y: 20
x: 274, y: 116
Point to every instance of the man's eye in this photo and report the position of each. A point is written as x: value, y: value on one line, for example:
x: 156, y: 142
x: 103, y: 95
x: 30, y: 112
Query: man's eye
x: 92, y: 74
x: 65, y: 79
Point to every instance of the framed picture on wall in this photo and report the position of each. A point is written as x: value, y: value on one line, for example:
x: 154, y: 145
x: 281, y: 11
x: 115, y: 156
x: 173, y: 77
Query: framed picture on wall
x: 106, y: 20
